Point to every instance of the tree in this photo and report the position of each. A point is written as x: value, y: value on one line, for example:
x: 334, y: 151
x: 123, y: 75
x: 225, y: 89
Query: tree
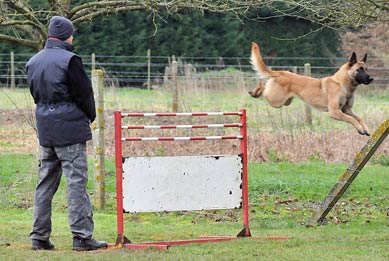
x: 370, y: 39
x: 205, y: 34
x: 25, y: 22
x: 337, y: 13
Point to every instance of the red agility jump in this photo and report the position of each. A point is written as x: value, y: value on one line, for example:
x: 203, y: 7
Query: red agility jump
x: 122, y: 241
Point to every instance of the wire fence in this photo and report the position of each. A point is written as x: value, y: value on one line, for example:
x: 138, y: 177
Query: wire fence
x: 138, y: 71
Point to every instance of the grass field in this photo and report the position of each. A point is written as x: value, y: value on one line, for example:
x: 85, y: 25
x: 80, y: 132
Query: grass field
x: 282, y: 197
x: 300, y: 163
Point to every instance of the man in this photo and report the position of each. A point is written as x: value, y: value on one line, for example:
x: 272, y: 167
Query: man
x: 65, y: 108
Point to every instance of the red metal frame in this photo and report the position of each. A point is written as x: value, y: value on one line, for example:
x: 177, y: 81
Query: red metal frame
x: 245, y: 193
x: 121, y: 240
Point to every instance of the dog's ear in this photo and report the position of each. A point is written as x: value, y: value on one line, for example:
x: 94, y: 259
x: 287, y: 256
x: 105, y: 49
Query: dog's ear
x: 364, y: 58
x: 353, y: 59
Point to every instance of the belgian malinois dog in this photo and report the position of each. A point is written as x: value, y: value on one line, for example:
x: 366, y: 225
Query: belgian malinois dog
x: 334, y: 94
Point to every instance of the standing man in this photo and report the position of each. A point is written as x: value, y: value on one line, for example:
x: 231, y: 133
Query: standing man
x: 65, y: 107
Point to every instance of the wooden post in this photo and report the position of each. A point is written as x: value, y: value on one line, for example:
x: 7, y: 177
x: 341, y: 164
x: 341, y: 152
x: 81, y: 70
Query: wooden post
x: 98, y: 140
x: 93, y: 63
x: 148, y: 69
x: 175, y: 86
x: 308, y: 111
x: 350, y: 174
x: 12, y: 70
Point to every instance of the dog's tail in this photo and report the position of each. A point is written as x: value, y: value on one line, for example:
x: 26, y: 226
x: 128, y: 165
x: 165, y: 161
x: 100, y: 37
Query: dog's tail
x: 258, y: 64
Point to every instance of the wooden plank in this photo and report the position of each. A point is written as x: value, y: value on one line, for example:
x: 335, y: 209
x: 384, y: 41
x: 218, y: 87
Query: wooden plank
x: 350, y: 174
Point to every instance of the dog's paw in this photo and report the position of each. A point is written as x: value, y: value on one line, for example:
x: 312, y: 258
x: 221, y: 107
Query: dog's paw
x: 364, y: 132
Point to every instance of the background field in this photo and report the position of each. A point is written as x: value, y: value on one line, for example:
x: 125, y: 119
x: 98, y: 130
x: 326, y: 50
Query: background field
x: 292, y: 167
x: 274, y: 134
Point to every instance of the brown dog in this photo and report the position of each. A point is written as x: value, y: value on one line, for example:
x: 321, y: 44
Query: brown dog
x: 334, y: 94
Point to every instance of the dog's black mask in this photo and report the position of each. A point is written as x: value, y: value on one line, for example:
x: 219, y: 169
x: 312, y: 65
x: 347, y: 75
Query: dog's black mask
x: 362, y: 77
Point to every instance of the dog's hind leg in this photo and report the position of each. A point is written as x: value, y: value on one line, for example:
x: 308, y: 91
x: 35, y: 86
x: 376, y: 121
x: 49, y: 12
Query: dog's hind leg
x: 257, y: 92
x: 276, y: 95
x: 288, y: 101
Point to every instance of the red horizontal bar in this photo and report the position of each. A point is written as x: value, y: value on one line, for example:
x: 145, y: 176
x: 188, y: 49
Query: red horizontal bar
x: 187, y: 241
x: 172, y: 114
x: 196, y: 126
x: 143, y: 246
x: 181, y: 138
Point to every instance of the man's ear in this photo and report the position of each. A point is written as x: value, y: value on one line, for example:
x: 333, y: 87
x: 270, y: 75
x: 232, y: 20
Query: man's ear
x: 353, y: 59
x: 364, y: 58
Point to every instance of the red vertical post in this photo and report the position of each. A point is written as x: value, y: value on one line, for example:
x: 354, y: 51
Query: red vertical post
x: 119, y: 176
x: 245, y: 193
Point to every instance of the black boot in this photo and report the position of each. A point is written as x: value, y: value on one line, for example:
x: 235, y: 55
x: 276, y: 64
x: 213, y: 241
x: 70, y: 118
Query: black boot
x: 42, y: 245
x: 83, y: 244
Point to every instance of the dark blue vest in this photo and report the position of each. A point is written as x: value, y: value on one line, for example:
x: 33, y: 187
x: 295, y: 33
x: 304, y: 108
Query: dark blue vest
x: 59, y: 121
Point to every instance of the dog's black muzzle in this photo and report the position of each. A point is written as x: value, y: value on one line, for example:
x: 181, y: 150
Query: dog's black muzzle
x: 369, y: 80
x: 364, y: 79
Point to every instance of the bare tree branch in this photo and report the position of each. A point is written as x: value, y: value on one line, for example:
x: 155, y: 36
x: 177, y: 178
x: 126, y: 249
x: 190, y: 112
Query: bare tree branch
x: 88, y: 12
x: 60, y: 7
x: 383, y: 5
x: 19, y: 21
x: 19, y: 10
x: 25, y: 10
x: 22, y: 42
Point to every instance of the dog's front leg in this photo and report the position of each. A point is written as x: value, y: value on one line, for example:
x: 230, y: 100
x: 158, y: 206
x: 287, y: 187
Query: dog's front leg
x: 335, y: 113
x: 348, y: 111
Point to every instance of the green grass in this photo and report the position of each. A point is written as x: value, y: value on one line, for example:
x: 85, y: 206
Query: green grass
x: 282, y: 197
x: 17, y: 98
x: 282, y: 194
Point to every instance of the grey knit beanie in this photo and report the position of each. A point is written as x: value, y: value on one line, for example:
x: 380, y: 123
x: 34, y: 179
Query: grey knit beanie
x: 60, y: 27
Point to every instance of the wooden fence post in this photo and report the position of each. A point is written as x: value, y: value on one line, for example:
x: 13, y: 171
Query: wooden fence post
x: 148, y: 69
x: 12, y: 58
x: 175, y: 86
x: 93, y: 63
x: 98, y: 140
x: 308, y: 111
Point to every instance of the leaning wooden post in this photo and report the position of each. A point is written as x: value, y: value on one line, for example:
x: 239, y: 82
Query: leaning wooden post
x: 12, y: 70
x: 350, y: 174
x: 308, y: 111
x: 175, y: 86
x: 98, y: 140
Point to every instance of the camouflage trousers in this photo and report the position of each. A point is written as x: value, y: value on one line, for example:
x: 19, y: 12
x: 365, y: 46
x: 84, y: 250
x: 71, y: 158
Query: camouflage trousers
x: 72, y: 162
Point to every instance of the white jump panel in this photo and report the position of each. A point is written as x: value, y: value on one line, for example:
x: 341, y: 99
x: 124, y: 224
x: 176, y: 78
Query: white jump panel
x: 152, y: 184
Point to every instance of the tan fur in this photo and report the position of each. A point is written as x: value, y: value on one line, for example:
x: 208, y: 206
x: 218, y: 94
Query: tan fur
x: 334, y: 94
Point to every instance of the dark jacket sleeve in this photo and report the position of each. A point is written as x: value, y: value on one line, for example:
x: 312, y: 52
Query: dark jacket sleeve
x: 80, y: 87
